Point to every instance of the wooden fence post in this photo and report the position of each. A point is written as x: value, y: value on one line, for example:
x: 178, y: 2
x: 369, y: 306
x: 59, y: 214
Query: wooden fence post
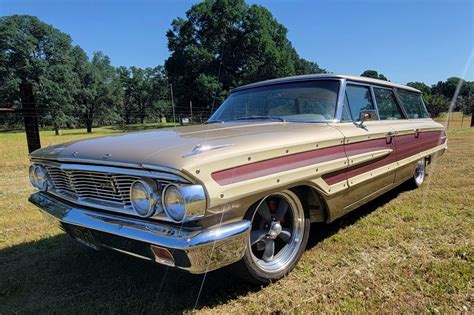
x: 30, y: 116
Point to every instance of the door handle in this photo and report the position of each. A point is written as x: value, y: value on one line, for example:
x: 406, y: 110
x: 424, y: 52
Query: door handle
x: 417, y: 133
x: 389, y: 137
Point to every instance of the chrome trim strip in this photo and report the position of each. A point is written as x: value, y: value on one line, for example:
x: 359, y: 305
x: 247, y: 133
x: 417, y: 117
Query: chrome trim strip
x: 115, y: 170
x: 340, y: 100
x: 224, y: 243
x: 374, y: 101
x: 86, y: 161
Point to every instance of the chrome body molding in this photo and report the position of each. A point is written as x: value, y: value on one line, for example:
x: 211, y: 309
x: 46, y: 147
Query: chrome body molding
x: 195, y: 250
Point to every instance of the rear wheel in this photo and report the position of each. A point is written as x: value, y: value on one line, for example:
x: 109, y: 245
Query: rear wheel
x: 278, y: 237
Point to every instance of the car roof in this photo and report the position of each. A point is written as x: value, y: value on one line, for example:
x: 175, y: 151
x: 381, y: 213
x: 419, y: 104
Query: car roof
x: 310, y: 77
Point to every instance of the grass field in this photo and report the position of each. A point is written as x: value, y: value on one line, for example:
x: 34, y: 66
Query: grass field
x: 407, y: 251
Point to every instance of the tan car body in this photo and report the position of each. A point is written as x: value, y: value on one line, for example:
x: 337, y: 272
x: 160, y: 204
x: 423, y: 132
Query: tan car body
x: 267, y: 157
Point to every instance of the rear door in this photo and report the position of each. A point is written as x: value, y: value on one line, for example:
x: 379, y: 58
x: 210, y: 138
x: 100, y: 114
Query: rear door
x: 416, y: 133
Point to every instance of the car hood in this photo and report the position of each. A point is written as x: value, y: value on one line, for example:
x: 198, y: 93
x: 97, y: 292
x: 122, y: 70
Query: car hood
x: 173, y: 147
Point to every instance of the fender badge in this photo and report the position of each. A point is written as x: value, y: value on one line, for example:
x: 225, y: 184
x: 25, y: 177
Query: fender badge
x: 204, y: 148
x: 106, y: 156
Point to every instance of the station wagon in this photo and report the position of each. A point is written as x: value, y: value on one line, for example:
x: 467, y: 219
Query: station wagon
x: 243, y: 188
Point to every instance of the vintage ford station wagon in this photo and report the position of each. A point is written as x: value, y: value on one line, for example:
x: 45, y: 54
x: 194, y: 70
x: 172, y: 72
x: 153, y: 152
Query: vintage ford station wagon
x: 243, y: 188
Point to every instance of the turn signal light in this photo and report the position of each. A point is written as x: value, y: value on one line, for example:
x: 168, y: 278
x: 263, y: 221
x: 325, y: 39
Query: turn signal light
x: 162, y: 255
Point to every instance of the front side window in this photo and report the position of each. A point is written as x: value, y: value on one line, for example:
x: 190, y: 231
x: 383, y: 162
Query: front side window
x: 358, y: 99
x: 296, y: 101
x: 387, y: 104
x: 413, y: 104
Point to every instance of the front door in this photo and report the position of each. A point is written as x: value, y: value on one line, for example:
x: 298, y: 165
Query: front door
x: 370, y: 147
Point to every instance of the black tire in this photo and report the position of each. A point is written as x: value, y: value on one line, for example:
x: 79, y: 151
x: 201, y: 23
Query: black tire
x: 250, y: 267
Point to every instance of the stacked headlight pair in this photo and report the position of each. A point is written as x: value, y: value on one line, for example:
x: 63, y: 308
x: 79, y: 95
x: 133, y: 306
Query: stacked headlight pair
x: 177, y: 202
x: 39, y: 177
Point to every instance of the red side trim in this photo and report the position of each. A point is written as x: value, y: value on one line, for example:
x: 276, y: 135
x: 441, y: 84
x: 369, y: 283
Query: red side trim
x: 276, y: 165
x: 406, y: 146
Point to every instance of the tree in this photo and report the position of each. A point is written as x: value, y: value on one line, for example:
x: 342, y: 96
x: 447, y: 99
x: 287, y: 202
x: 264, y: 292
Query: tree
x: 425, y: 89
x: 374, y: 75
x: 225, y: 43
x: 34, y: 52
x: 437, y: 104
x: 145, y: 93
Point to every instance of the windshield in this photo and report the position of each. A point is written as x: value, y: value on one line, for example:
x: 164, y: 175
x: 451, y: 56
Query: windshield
x: 313, y: 101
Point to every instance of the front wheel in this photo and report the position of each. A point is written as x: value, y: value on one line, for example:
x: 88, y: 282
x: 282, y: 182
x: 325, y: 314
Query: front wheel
x: 278, y: 237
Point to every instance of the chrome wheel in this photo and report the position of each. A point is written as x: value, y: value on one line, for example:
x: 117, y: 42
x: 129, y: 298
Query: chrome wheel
x: 420, y: 172
x: 278, y: 226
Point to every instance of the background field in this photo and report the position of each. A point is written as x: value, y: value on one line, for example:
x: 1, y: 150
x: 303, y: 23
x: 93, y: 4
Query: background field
x: 408, y: 251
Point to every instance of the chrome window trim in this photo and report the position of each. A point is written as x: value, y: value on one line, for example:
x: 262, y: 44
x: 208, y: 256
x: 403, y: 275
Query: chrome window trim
x: 340, y: 100
x: 327, y: 121
x: 369, y: 86
x: 372, y: 94
x: 403, y: 108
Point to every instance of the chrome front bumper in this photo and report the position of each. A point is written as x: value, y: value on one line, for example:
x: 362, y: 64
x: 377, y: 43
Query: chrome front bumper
x: 195, y: 250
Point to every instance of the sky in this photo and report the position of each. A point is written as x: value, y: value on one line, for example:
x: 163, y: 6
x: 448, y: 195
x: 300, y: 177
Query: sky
x: 406, y: 40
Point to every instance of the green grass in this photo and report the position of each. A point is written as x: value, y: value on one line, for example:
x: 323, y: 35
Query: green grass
x: 407, y: 251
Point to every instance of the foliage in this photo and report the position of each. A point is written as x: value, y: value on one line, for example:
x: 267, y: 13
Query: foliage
x: 374, y: 75
x: 425, y: 89
x: 225, y: 43
x: 34, y: 52
x: 220, y: 44
x: 437, y: 104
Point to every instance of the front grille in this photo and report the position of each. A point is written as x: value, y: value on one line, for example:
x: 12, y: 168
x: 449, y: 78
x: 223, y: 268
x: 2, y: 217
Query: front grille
x: 91, y: 184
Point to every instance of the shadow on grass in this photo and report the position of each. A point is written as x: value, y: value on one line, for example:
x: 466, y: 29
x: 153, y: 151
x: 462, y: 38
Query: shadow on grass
x: 58, y: 275
x: 326, y: 230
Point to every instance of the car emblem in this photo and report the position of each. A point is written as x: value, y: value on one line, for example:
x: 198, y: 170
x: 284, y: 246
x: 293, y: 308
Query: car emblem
x: 198, y: 149
x: 109, y: 185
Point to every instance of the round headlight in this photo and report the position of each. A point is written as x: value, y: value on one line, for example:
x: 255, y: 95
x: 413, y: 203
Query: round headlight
x: 174, y: 204
x: 32, y: 175
x: 143, y: 197
x: 38, y: 177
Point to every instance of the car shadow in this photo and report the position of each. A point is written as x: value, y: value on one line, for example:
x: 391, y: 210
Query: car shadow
x: 57, y: 274
x: 327, y: 230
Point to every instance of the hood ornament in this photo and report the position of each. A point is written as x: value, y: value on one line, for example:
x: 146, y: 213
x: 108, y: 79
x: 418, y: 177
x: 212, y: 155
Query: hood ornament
x: 201, y: 148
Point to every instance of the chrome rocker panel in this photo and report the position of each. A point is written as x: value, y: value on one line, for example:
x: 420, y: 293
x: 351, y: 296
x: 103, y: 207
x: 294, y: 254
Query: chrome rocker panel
x: 194, y: 250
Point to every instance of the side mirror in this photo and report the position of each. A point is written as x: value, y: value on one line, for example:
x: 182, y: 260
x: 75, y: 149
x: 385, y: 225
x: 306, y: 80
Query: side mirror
x: 366, y: 115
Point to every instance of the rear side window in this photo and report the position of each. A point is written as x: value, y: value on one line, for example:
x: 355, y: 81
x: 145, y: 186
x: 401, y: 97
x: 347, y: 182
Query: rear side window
x: 358, y: 99
x: 387, y: 104
x: 413, y: 104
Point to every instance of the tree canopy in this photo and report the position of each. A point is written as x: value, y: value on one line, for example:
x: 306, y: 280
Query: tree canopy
x: 374, y: 75
x: 226, y: 43
x: 219, y: 45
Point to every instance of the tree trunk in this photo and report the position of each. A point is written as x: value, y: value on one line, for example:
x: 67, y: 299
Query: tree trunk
x: 89, y: 128
x: 57, y: 131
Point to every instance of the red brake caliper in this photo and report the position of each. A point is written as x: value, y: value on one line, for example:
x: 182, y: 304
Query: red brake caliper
x: 273, y: 206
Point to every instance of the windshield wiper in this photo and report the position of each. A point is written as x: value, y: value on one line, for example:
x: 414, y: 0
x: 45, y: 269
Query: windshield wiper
x: 261, y: 117
x: 215, y: 121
